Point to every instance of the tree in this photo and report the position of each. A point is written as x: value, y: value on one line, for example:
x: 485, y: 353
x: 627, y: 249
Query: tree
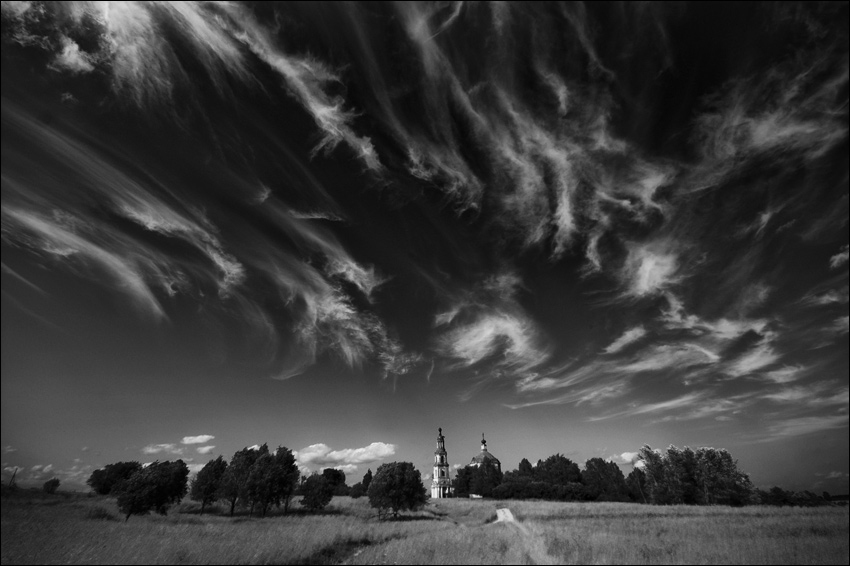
x: 462, y: 482
x: 206, y: 485
x: 603, y: 481
x: 235, y: 480
x: 367, y: 479
x: 357, y: 491
x: 154, y: 488
x: 557, y: 470
x: 285, y: 477
x: 111, y: 478
x: 525, y: 469
x: 317, y: 492
x: 485, y: 478
x: 705, y: 476
x: 51, y: 485
x: 397, y: 486
x: 636, y: 484
x: 260, y: 488
x: 336, y: 478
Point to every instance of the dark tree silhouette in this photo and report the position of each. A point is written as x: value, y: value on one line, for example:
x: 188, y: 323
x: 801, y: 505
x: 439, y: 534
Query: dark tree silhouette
x: 111, y: 477
x: 51, y: 485
x: 336, y: 478
x: 397, y: 486
x: 317, y: 493
x: 205, y: 486
x: 154, y: 488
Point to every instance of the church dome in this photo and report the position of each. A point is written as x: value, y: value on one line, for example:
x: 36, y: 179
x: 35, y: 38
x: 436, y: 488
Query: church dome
x: 485, y: 456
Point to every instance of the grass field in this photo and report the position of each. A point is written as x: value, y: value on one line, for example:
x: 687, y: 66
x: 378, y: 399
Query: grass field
x: 37, y: 528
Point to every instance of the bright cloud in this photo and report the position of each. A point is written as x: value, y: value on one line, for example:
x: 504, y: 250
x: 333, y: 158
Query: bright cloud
x: 205, y: 449
x: 840, y: 258
x: 200, y: 439
x: 649, y: 270
x: 162, y: 449
x: 628, y: 337
x: 323, y: 456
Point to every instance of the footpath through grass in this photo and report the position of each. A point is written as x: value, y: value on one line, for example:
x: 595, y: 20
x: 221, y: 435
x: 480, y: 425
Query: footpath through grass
x: 44, y: 529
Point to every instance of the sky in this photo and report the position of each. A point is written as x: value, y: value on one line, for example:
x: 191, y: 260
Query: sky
x: 335, y: 227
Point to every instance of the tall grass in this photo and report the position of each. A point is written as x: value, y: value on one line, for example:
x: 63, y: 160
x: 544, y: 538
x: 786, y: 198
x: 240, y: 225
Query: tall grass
x: 89, y: 530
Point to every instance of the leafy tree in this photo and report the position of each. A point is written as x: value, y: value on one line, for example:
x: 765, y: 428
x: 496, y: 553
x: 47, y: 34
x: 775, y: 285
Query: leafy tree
x: 260, y: 487
x: 205, y: 486
x: 110, y: 478
x: 462, y: 481
x: 485, y: 478
x: 154, y: 488
x: 636, y: 484
x: 367, y: 479
x: 285, y: 477
x: 336, y: 478
x: 51, y: 485
x: 704, y: 476
x: 603, y: 481
x: 234, y: 483
x: 357, y: 491
x: 557, y: 470
x: 525, y: 469
x: 397, y: 486
x: 317, y: 492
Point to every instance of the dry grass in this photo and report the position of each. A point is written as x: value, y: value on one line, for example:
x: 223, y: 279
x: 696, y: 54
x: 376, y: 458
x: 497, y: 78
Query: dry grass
x: 39, y: 529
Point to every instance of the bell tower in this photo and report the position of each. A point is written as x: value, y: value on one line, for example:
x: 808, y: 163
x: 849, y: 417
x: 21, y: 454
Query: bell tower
x: 440, y: 485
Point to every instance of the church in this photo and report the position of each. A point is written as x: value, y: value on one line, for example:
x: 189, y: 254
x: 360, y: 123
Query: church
x: 441, y: 482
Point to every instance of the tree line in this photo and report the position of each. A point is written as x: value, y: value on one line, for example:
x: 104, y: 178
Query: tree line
x: 255, y: 479
x: 704, y: 476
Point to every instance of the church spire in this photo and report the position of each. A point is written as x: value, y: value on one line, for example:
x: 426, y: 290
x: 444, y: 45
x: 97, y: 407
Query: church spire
x: 483, y: 443
x: 440, y: 483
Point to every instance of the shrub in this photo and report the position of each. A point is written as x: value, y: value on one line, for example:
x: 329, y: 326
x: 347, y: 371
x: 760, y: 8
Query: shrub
x: 51, y: 485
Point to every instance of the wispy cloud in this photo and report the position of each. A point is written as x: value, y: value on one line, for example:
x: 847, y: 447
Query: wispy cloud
x: 840, y: 258
x: 628, y: 337
x: 162, y: 449
x: 805, y: 425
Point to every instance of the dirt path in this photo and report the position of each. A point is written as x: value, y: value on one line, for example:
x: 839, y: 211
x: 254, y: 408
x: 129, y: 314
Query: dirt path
x: 534, y: 547
x: 504, y: 515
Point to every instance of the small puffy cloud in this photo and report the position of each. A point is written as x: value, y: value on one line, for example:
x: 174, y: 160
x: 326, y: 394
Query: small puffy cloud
x: 205, y: 449
x: 840, y: 258
x: 628, y: 337
x: 200, y: 439
x: 162, y: 449
x: 324, y: 456
x: 254, y: 447
x: 626, y: 458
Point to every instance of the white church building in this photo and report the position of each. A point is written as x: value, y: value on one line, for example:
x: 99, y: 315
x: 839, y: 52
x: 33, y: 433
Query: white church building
x: 441, y: 486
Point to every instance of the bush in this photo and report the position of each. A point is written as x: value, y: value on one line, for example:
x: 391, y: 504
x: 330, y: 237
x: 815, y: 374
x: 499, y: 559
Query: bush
x: 51, y: 485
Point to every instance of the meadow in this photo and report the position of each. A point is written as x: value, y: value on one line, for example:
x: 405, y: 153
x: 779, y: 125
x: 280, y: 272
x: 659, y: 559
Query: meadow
x: 67, y: 528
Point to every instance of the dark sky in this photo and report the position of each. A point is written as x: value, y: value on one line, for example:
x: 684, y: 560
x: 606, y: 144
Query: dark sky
x: 337, y: 226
